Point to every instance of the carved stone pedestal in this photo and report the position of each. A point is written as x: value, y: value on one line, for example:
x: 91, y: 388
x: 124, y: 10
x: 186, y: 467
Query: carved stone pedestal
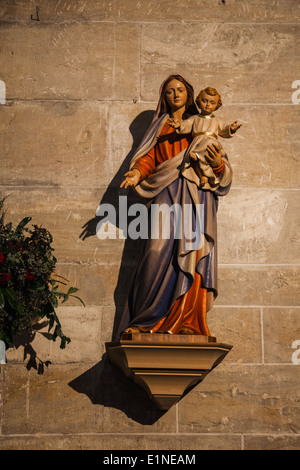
x: 166, y: 366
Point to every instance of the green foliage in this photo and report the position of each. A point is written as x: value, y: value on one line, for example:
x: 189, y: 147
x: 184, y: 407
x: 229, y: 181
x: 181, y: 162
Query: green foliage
x: 28, y: 288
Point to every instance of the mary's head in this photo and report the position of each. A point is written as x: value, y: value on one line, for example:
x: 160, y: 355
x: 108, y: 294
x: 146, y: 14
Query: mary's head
x: 177, y: 92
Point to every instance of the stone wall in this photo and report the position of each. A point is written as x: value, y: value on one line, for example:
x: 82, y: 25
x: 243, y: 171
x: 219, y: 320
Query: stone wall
x: 80, y: 86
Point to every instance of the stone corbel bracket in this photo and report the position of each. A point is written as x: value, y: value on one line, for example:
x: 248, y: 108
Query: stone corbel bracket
x: 166, y: 366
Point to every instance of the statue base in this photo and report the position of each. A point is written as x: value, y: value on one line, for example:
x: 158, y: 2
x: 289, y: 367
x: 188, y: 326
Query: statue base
x: 166, y: 366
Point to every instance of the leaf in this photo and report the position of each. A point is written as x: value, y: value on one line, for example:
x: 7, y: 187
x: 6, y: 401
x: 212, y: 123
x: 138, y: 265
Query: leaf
x: 56, y: 319
x: 56, y: 292
x: 2, y: 300
x: 53, y: 281
x: 57, y: 332
x: 72, y: 290
x: 23, y: 223
x: 40, y: 288
x: 20, y: 308
x: 79, y: 299
x: 51, y: 322
x: 48, y: 309
x: 10, y: 296
x: 6, y: 337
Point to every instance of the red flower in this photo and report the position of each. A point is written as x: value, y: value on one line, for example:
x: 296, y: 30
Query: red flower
x: 28, y: 276
x: 4, y: 278
x: 14, y: 246
x: 1, y: 257
x: 17, y: 245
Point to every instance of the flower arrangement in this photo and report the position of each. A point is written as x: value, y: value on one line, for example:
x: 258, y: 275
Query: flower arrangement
x: 28, y: 288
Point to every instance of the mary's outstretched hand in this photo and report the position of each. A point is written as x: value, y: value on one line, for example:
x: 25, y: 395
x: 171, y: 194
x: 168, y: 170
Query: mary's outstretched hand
x: 132, y: 178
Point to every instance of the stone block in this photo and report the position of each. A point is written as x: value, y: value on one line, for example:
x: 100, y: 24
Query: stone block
x: 54, y: 12
x: 208, y: 12
x: 70, y: 61
x: 238, y: 285
x: 75, y: 399
x: 254, y: 285
x: 264, y: 152
x: 284, y: 442
x: 121, y: 442
x: 15, y: 401
x: 57, y: 143
x: 105, y: 262
x: 70, y: 143
x: 240, y: 62
x: 98, y: 284
x: 240, y: 327
x: 145, y: 11
x: 245, y: 399
x: 281, y: 329
x: 78, y: 143
x: 259, y: 226
x: 34, y: 442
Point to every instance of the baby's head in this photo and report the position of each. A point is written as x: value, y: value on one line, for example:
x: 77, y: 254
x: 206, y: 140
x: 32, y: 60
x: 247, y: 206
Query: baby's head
x: 208, y: 100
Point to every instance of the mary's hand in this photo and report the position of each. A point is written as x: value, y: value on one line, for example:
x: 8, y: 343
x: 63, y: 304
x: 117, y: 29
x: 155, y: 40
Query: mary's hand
x: 193, y: 156
x: 214, y: 155
x: 132, y: 178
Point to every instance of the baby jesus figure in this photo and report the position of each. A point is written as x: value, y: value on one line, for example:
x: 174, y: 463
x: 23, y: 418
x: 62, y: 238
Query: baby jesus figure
x: 205, y: 129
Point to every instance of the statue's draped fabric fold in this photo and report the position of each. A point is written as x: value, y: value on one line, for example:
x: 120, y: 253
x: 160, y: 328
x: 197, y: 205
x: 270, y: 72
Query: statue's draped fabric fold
x: 175, y: 281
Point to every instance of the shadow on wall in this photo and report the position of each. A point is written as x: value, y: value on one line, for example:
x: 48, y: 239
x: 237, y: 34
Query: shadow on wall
x: 132, y: 248
x: 106, y: 385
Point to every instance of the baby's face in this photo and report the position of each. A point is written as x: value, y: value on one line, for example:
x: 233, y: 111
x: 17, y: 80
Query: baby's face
x: 207, y: 103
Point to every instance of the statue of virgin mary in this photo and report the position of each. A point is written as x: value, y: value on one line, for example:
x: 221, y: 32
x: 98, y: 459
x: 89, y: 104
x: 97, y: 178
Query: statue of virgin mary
x: 175, y: 282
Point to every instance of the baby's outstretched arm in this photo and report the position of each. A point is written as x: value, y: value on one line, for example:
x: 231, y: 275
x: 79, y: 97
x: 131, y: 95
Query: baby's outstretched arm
x: 173, y: 123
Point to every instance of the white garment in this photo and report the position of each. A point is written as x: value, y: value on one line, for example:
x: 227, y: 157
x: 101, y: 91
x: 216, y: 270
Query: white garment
x: 205, y: 131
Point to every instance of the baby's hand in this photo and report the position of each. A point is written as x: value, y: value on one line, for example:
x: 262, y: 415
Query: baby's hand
x: 173, y: 123
x: 234, y: 127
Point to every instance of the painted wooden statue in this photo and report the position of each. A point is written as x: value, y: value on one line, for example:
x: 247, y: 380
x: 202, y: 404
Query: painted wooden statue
x: 175, y: 285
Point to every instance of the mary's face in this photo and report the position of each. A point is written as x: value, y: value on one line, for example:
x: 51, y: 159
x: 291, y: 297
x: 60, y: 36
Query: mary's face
x: 176, y: 95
